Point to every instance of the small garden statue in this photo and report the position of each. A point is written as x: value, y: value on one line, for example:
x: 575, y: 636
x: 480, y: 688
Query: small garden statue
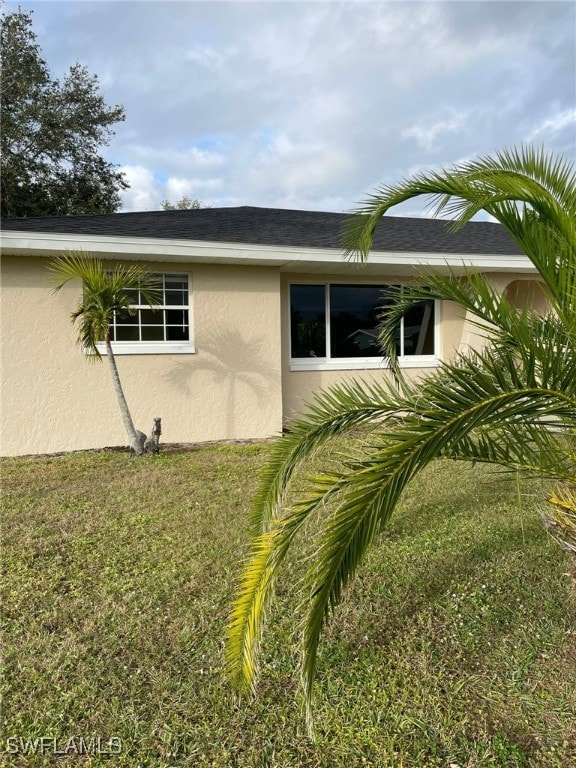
x: 152, y: 443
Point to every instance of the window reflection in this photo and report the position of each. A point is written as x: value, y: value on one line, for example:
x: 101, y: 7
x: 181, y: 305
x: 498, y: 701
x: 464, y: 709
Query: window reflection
x: 351, y: 328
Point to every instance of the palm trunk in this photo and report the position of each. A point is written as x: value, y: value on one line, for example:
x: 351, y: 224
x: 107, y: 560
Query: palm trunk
x: 134, y: 438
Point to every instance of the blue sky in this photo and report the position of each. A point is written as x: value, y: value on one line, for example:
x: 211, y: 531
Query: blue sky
x: 312, y: 104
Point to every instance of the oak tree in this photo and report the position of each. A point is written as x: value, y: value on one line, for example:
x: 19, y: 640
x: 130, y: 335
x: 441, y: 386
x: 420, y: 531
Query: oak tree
x: 51, y: 133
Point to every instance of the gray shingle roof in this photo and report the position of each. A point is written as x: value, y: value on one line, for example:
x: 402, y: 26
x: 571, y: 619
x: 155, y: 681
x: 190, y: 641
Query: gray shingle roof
x: 280, y: 227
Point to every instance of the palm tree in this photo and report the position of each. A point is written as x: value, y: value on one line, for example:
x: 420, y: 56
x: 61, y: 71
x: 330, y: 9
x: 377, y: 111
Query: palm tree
x: 106, y: 293
x: 512, y: 403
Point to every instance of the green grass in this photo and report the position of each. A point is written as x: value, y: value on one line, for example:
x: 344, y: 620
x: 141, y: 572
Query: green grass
x: 456, y: 644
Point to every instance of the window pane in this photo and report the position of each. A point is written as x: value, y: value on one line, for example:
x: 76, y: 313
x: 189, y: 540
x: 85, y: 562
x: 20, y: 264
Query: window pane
x: 354, y: 311
x: 177, y: 325
x: 176, y: 282
x: 388, y: 296
x: 177, y: 317
x: 127, y: 333
x: 152, y: 333
x: 177, y: 333
x: 307, y: 321
x: 132, y: 295
x: 152, y: 316
x: 419, y: 330
x: 180, y: 298
x: 126, y: 319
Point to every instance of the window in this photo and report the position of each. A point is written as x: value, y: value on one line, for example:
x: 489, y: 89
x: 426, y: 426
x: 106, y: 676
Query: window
x: 336, y: 326
x: 164, y: 329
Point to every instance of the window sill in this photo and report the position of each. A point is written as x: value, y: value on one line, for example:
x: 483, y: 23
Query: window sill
x: 149, y: 348
x: 361, y: 364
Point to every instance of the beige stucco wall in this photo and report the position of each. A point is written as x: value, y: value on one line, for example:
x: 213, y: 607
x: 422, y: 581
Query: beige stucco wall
x: 528, y: 293
x: 53, y: 399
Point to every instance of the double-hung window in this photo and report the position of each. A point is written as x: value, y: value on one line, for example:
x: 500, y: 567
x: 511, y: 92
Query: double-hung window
x: 335, y: 326
x: 163, y: 329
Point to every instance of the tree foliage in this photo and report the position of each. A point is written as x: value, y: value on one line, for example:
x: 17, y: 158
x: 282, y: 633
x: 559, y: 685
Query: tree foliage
x: 106, y: 293
x: 51, y: 133
x: 512, y: 403
x: 183, y: 204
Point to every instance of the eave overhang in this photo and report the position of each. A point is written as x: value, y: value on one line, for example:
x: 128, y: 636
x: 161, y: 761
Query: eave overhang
x: 284, y: 258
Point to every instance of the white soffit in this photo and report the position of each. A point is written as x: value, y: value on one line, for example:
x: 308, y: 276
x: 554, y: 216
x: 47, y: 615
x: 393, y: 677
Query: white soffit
x: 286, y: 258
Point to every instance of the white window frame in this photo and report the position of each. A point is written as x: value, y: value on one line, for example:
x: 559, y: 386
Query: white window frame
x: 357, y: 363
x: 158, y: 347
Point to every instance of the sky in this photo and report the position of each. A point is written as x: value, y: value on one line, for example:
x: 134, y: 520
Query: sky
x: 313, y: 104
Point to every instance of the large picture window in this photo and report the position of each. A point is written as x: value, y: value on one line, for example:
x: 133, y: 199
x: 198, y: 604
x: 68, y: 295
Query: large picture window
x: 166, y: 328
x: 339, y: 322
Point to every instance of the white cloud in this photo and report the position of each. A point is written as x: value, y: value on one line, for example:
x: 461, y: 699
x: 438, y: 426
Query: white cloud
x: 207, y: 56
x: 553, y: 125
x: 190, y: 159
x: 143, y: 194
x: 175, y: 188
x: 427, y: 134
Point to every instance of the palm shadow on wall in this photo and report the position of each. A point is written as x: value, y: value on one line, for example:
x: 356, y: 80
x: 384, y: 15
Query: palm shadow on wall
x: 235, y: 364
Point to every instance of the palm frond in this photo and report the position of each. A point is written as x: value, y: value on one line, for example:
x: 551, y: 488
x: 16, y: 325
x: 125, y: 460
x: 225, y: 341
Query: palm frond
x: 367, y: 492
x: 245, y: 626
x: 484, y: 306
x: 511, y: 404
x: 456, y: 414
x: 533, y: 451
x: 332, y: 412
x: 560, y: 516
x: 105, y: 293
x: 337, y: 411
x: 530, y: 192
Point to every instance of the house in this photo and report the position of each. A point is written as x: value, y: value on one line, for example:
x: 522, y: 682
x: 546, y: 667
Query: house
x: 260, y: 310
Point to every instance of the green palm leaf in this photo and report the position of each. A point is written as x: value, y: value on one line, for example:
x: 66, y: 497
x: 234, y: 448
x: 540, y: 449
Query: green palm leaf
x: 105, y: 293
x: 366, y: 492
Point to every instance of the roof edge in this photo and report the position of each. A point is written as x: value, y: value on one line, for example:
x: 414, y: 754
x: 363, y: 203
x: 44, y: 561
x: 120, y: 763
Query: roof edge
x: 200, y: 251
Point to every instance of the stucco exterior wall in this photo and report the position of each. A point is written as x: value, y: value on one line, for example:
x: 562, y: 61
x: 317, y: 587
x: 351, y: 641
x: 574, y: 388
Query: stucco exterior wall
x: 237, y: 385
x: 53, y: 399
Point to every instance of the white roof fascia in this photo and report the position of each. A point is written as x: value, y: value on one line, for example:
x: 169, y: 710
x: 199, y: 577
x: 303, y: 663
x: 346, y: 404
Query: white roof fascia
x: 287, y: 258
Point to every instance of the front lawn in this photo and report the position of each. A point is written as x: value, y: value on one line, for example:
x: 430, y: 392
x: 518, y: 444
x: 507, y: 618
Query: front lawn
x: 456, y: 645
